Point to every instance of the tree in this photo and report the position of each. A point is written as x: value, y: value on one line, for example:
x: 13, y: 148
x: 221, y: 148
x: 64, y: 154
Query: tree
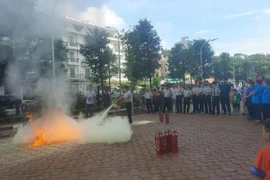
x: 98, y: 56
x: 156, y: 82
x: 142, y: 47
x: 223, y: 66
x: 207, y: 59
x: 180, y: 61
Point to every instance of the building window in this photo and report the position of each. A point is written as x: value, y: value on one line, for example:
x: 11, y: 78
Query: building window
x: 72, y: 72
x: 71, y: 56
x: 115, y: 47
x: 87, y: 72
x: 71, y: 41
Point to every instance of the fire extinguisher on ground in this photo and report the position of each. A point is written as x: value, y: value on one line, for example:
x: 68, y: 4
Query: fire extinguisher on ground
x: 167, y: 118
x: 164, y: 143
x: 169, y: 141
x: 174, y: 142
x: 161, y: 117
x: 158, y: 139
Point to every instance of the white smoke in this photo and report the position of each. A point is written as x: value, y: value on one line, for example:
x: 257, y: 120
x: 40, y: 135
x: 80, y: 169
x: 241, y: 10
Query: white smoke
x: 57, y: 127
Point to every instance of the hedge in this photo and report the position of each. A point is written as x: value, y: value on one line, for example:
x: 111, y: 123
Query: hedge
x: 13, y: 119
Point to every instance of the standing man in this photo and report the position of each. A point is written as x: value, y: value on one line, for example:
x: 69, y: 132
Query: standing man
x: 207, y: 98
x: 167, y: 99
x: 179, y: 98
x: 215, y: 91
x: 90, y: 100
x: 195, y: 90
x: 225, y: 89
x: 127, y: 97
x: 201, y: 97
x: 173, y: 98
x: 149, y: 97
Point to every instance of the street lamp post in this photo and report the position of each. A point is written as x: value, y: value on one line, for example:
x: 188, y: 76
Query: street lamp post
x: 53, y: 55
x: 119, y: 57
x: 201, y: 53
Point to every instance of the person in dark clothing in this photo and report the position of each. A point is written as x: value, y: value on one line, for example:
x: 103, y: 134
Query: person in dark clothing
x: 248, y: 103
x: 225, y: 89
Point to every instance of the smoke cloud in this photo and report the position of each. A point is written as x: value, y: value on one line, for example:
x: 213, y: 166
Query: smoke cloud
x: 56, y: 126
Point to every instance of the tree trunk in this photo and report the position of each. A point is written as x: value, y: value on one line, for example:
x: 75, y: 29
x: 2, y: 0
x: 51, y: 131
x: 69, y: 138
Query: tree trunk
x: 150, y: 79
x: 184, y: 79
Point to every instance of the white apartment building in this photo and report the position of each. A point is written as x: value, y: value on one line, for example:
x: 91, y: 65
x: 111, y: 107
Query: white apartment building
x: 75, y: 33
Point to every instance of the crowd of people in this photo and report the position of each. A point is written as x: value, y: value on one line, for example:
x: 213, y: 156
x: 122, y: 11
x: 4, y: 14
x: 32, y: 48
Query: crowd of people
x: 251, y: 96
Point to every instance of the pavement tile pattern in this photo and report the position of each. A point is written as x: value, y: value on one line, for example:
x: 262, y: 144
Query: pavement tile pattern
x: 210, y: 147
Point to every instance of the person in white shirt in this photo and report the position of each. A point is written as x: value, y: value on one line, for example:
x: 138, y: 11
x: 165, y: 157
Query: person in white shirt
x: 195, y: 98
x: 179, y: 98
x: 201, y: 97
x: 90, y: 100
x: 127, y: 97
x: 173, y: 97
x: 149, y: 97
x: 207, y: 98
x: 167, y: 99
x: 215, y: 91
x: 187, y: 97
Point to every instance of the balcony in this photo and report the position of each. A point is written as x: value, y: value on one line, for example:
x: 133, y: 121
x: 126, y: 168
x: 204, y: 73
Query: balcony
x: 73, y: 45
x: 74, y: 61
x: 77, y: 77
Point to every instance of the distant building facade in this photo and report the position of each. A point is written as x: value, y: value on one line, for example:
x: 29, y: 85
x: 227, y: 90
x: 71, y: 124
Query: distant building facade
x: 74, y: 34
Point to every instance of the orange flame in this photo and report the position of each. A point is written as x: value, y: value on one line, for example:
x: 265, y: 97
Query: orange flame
x: 55, y: 127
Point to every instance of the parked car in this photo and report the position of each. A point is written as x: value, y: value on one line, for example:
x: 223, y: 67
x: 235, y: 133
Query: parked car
x: 9, y: 101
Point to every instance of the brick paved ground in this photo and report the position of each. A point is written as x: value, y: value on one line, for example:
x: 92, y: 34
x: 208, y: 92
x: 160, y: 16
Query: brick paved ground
x: 211, y: 147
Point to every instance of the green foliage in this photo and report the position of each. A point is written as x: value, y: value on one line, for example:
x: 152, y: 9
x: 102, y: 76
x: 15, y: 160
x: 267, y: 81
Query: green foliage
x: 156, y: 82
x: 13, y: 119
x: 180, y: 61
x: 142, y: 47
x: 207, y: 59
x: 223, y: 66
x: 2, y: 112
x: 98, y: 56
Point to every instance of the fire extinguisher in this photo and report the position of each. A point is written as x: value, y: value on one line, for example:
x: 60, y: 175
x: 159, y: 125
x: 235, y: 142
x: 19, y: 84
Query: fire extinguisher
x: 169, y: 140
x: 167, y: 118
x: 161, y: 117
x: 158, y: 139
x: 164, y: 143
x: 174, y: 142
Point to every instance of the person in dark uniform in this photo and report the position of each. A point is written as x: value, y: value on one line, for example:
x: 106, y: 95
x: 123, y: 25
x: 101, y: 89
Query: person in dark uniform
x: 225, y: 89
x: 215, y: 92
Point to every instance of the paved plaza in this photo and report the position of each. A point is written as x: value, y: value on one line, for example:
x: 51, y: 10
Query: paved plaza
x: 210, y: 147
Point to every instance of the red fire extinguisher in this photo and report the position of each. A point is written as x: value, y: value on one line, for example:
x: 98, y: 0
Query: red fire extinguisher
x: 158, y: 139
x: 169, y: 141
x: 174, y: 142
x: 167, y: 118
x: 164, y: 143
x: 161, y: 117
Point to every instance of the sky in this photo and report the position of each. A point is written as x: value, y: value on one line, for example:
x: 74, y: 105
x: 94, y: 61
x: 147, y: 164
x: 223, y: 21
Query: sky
x: 241, y: 26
